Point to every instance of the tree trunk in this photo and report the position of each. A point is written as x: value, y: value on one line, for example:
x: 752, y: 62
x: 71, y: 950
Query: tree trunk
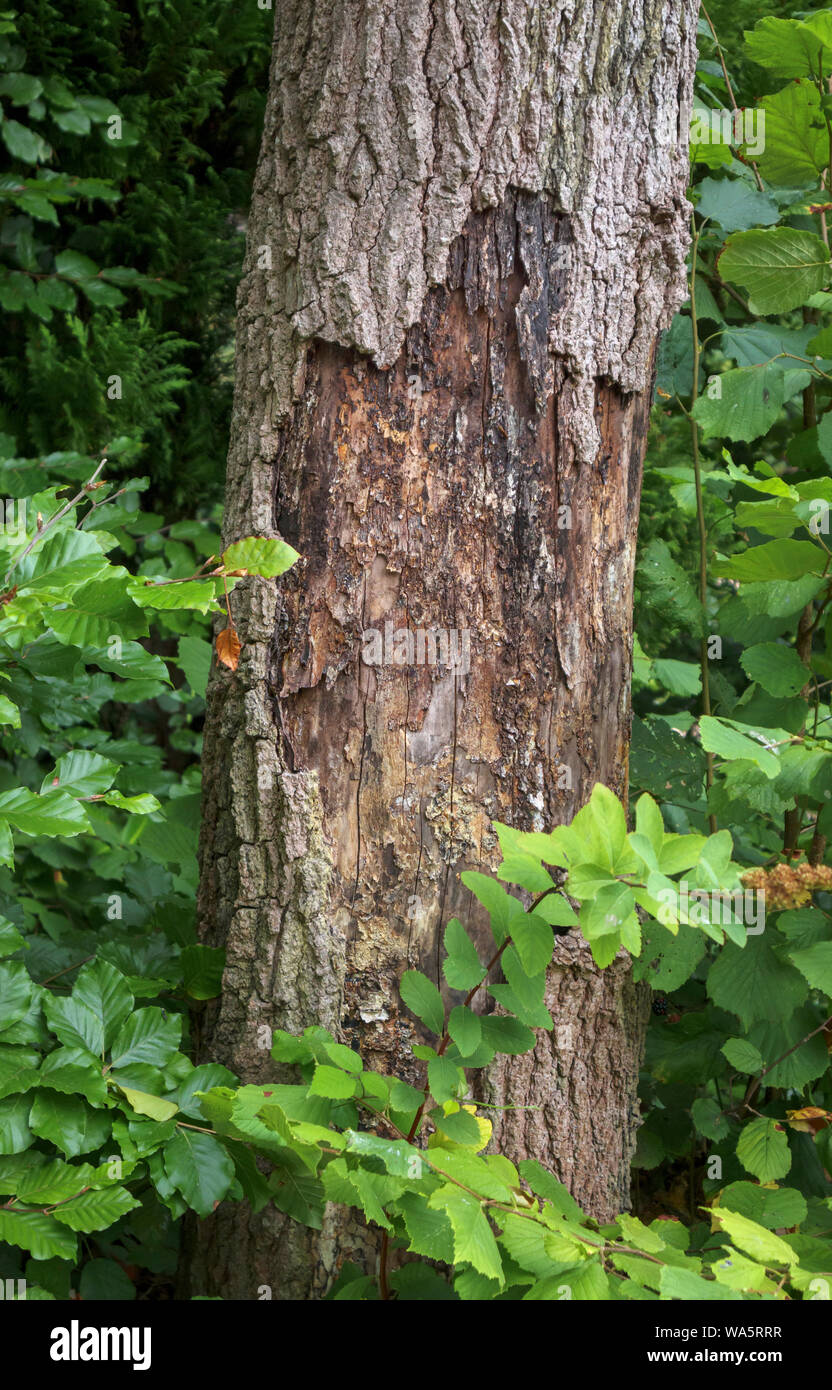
x: 468, y: 230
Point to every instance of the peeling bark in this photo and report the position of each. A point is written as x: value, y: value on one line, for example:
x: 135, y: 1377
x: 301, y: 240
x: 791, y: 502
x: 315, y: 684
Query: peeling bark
x: 468, y: 230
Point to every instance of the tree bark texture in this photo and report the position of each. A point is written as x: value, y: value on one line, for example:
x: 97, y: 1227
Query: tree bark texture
x: 467, y: 233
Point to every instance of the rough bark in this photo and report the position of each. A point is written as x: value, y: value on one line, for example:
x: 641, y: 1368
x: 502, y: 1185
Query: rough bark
x: 468, y: 231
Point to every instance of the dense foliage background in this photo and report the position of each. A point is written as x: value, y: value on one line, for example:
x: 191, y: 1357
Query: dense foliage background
x: 121, y: 245
x: 131, y: 132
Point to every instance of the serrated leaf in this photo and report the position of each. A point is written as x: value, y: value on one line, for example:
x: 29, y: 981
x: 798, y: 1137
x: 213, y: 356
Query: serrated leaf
x: 776, y: 667
x: 742, y: 1056
x: 815, y: 963
x: 781, y: 267
x: 761, y: 1244
x: 743, y: 403
x: 462, y: 968
x: 332, y: 1083
x: 423, y: 999
x: 474, y: 1241
x: 465, y: 1028
x: 763, y: 1150
x: 753, y: 983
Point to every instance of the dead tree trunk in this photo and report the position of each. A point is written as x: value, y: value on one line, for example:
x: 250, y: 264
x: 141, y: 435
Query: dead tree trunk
x: 468, y: 230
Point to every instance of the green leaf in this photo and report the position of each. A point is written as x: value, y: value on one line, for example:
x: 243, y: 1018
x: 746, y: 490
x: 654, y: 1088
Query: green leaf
x: 68, y: 1123
x: 665, y: 582
x: 777, y: 668
x: 41, y: 1235
x: 75, y: 266
x: 815, y: 962
x: 9, y: 713
x: 783, y: 559
x: 20, y: 88
x: 742, y: 1056
x: 709, y: 1118
x: 506, y: 1034
x: 685, y: 1284
x: 10, y: 941
x: 398, y: 1157
x: 474, y: 1241
x: 459, y: 1125
x: 610, y: 824
x: 15, y: 1134
x: 796, y: 138
x: 466, y: 1030
x: 147, y: 1036
x: 444, y: 1078
x: 81, y: 773
x: 523, y: 994
x: 423, y: 999
x: 668, y: 961
x: 104, y: 991
x: 53, y: 813
x: 200, y: 1168
x: 191, y: 593
x: 18, y: 1070
x: 753, y: 983
x: 585, y: 1282
x: 332, y: 1082
x: 95, y: 1211
x: 556, y: 910
x: 786, y: 47
x: 729, y: 743
x: 502, y: 908
x: 761, y: 1244
x: 194, y: 658
x: 143, y: 805
x: 743, y: 404
x: 145, y: 1104
x: 106, y: 1281
x: 74, y: 1024
x: 770, y: 1207
x: 781, y: 267
x: 763, y: 1150
x: 462, y: 969
x: 783, y: 1036
x: 74, y: 1071
x: 429, y: 1230
x: 59, y: 564
x: 607, y: 910
x: 259, y: 555
x: 23, y: 143
x: 16, y: 993
x: 533, y: 939
x: 202, y: 970
x: 736, y: 206
x: 679, y: 677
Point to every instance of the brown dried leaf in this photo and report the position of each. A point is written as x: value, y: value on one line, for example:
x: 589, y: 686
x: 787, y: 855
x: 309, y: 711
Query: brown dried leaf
x: 229, y: 647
